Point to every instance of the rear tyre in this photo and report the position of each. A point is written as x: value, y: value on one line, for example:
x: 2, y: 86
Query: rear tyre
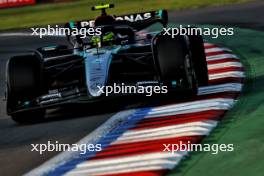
x: 175, y: 63
x: 199, y: 59
x: 24, y: 79
x: 191, y: 76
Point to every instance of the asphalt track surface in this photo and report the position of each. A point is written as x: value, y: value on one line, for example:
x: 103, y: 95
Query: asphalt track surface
x: 71, y: 124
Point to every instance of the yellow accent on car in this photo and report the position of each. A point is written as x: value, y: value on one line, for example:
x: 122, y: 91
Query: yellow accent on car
x: 98, y: 7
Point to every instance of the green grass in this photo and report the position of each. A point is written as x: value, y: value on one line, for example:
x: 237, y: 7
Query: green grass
x: 243, y: 125
x: 62, y: 12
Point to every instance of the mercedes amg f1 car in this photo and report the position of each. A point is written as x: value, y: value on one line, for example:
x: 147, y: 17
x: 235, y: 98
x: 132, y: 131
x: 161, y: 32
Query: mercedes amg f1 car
x: 56, y: 75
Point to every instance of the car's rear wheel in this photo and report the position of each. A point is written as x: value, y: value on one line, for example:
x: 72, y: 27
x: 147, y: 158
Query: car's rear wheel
x: 199, y: 59
x: 175, y: 63
x: 24, y: 78
x: 191, y: 76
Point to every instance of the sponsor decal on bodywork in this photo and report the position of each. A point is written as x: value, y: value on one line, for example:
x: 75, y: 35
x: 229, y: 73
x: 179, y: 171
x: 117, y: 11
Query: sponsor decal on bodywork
x: 131, y: 18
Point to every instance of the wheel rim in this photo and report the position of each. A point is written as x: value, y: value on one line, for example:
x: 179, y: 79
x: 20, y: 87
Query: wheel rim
x: 190, y: 71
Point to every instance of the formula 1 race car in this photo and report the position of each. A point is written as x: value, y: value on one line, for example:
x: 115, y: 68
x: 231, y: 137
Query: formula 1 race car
x: 122, y: 54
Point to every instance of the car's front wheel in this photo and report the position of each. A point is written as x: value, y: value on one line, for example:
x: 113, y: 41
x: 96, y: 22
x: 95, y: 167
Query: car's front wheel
x: 199, y: 59
x: 24, y: 83
x: 175, y: 63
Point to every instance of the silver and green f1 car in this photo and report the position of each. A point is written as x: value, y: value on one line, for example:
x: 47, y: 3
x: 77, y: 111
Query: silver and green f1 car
x: 56, y: 75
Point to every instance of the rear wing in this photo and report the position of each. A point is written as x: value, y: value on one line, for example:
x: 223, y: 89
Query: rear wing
x: 137, y: 21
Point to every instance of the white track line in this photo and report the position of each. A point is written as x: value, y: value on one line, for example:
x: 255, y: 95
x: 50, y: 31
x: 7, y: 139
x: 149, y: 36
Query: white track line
x: 138, y: 132
x: 217, y: 49
x: 124, y: 166
x: 221, y: 56
x: 234, y: 74
x: 126, y: 159
x: 209, y: 44
x: 142, y: 162
x: 228, y: 87
x: 189, y: 129
x: 224, y: 65
x: 216, y: 103
x: 120, y: 171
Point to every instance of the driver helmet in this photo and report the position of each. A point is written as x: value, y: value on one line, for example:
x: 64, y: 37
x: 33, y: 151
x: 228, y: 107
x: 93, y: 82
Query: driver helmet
x: 107, y: 38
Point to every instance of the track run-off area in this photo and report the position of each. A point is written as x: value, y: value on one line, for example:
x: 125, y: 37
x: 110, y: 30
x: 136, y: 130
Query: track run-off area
x: 135, y: 146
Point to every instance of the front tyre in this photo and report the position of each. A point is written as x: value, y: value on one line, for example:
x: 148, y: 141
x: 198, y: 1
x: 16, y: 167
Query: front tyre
x: 24, y: 83
x: 199, y: 59
x: 191, y: 76
x: 175, y: 63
